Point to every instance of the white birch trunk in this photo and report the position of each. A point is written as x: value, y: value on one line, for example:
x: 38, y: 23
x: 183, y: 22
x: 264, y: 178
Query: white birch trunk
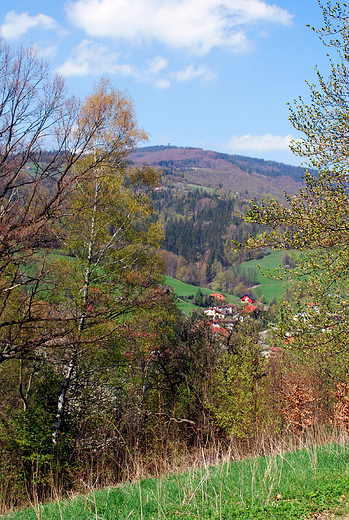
x: 82, y: 321
x: 61, y: 398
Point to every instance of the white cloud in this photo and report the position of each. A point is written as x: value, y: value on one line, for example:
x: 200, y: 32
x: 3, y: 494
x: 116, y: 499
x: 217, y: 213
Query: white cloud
x: 15, y: 25
x: 190, y: 73
x: 46, y: 51
x: 162, y: 83
x: 259, y: 142
x: 157, y: 64
x: 197, y: 25
x: 96, y: 59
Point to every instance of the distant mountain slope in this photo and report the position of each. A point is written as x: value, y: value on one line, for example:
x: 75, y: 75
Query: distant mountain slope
x: 257, y: 177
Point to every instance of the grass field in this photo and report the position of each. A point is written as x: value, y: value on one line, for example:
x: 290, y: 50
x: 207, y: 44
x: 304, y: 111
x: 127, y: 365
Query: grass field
x: 266, y: 286
x: 188, y: 307
x: 182, y: 289
x: 185, y: 289
x: 291, y: 486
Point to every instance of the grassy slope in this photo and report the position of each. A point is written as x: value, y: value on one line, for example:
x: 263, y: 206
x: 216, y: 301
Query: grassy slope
x: 268, y: 287
x: 289, y: 487
x: 184, y: 289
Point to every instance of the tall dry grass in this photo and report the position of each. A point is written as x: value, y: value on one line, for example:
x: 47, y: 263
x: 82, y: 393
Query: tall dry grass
x: 161, y: 458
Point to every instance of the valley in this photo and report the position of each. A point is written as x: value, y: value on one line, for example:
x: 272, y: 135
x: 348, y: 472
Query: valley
x: 201, y: 204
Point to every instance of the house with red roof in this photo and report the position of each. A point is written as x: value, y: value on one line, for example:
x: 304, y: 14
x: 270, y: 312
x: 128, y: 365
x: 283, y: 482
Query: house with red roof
x: 251, y: 310
x: 218, y: 296
x: 248, y: 298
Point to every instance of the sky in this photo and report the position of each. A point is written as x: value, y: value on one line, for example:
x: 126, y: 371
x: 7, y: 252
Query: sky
x: 214, y: 74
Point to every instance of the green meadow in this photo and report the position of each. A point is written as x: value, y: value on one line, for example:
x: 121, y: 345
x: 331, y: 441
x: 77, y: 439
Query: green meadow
x: 183, y: 290
x: 287, y: 486
x: 265, y: 285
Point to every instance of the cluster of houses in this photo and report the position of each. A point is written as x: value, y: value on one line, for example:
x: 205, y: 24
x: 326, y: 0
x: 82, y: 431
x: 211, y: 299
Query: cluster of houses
x: 223, y: 317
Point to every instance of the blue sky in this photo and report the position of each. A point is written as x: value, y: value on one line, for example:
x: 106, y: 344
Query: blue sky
x: 215, y: 74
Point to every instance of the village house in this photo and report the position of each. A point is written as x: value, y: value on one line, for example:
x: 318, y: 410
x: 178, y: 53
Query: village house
x: 218, y: 296
x: 248, y: 298
x: 219, y: 313
x: 219, y: 330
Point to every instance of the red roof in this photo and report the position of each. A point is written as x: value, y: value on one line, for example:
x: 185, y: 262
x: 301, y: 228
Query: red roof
x: 219, y: 296
x: 248, y: 297
x: 219, y: 330
x: 250, y: 308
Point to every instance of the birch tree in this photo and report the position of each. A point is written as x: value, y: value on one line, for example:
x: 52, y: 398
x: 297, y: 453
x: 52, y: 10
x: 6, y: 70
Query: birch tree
x: 36, y: 114
x: 110, y: 233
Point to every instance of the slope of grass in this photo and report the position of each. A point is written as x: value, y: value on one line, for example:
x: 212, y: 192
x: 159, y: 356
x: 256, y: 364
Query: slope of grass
x: 264, y: 286
x: 182, y: 289
x: 268, y: 287
x: 292, y: 486
x: 185, y: 289
x: 188, y: 307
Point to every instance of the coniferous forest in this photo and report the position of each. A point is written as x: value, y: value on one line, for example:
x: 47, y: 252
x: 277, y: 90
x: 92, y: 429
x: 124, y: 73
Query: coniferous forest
x: 199, y: 227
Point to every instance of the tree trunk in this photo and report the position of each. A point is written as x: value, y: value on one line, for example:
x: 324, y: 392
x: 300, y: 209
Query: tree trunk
x: 61, y: 397
x: 82, y: 321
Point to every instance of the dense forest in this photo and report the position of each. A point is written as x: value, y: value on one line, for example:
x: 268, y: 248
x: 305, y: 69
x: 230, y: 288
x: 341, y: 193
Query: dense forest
x: 201, y: 212
x: 199, y: 227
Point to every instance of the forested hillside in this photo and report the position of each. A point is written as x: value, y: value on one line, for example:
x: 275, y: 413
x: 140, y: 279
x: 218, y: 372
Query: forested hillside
x: 199, y: 227
x: 245, y: 175
x: 201, y: 205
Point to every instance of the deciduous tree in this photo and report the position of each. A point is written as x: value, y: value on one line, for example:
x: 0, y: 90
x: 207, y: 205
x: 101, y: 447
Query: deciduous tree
x: 314, y: 221
x: 110, y: 235
x: 36, y: 114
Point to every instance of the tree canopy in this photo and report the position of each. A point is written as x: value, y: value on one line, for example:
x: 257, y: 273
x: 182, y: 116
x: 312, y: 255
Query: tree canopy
x: 84, y: 195
x: 314, y: 221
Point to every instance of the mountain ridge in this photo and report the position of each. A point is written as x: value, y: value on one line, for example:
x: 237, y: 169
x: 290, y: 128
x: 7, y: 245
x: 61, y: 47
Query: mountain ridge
x: 257, y: 177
